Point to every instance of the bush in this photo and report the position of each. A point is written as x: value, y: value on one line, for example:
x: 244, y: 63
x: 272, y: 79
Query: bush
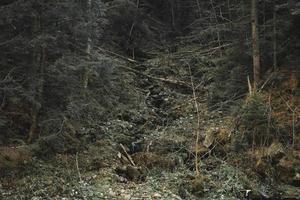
x: 255, y: 125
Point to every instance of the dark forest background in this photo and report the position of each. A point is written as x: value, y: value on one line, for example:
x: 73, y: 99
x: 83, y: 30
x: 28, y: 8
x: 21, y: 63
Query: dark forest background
x: 45, y: 56
x: 181, y: 86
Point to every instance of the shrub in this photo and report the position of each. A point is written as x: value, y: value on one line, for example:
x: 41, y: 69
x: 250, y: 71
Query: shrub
x: 255, y: 124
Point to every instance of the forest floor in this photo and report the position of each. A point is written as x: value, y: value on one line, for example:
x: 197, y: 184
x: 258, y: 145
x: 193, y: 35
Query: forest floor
x: 148, y: 151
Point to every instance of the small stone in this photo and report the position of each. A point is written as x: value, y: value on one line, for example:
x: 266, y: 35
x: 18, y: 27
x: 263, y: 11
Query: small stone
x: 126, y: 196
x: 156, y: 195
x: 122, y: 191
x: 111, y: 193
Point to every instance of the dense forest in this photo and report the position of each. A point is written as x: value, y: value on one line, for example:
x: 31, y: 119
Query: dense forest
x: 150, y: 99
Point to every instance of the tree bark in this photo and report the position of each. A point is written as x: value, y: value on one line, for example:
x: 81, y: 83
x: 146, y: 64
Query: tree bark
x: 255, y: 44
x: 88, y: 47
x: 38, y: 63
x: 274, y: 40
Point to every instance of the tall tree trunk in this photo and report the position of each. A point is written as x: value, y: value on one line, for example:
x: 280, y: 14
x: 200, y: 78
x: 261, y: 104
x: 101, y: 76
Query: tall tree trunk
x: 217, y: 22
x: 88, y: 47
x: 173, y: 14
x: 89, y: 40
x: 38, y: 63
x: 199, y: 8
x: 274, y: 40
x: 255, y: 44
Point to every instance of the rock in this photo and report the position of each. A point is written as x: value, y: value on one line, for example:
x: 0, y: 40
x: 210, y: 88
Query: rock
x: 210, y: 137
x: 296, y: 180
x: 156, y: 196
x: 97, y: 164
x: 131, y: 173
x: 275, y: 151
x: 111, y: 192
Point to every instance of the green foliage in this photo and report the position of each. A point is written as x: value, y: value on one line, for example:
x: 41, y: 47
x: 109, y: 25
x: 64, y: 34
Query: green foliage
x: 64, y: 28
x: 254, y: 112
x: 255, y: 121
x: 61, y: 29
x: 229, y: 84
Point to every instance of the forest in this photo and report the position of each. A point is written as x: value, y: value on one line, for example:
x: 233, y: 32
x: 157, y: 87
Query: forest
x: 150, y: 99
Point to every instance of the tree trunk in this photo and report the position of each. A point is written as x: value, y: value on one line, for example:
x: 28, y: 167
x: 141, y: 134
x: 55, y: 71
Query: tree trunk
x: 255, y: 44
x: 173, y: 14
x: 88, y: 47
x: 274, y: 40
x: 38, y: 63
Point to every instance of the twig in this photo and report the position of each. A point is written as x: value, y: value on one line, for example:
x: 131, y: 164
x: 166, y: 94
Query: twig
x: 127, y: 155
x: 204, y: 51
x: 8, y: 74
x: 133, y: 23
x: 249, y: 86
x: 209, y: 151
x: 148, y: 146
x: 198, y: 121
x: 269, y: 119
x: 265, y: 83
x: 118, y: 55
x: 61, y: 126
x: 77, y: 167
x: 293, y: 110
